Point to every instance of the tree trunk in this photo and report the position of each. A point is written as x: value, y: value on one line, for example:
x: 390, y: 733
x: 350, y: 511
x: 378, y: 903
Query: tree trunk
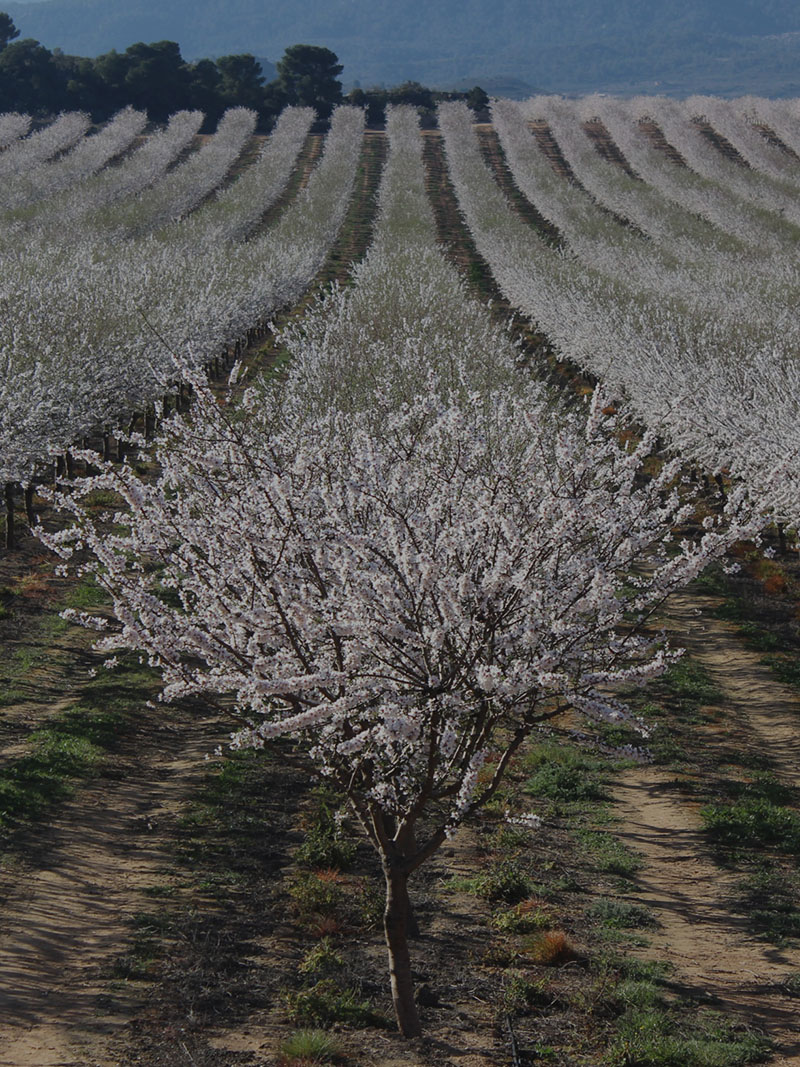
x: 29, y: 505
x: 9, y: 494
x: 782, y: 538
x: 395, y: 925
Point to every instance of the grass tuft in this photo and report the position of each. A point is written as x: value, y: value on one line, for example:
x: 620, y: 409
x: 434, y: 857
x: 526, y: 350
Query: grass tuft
x: 308, y: 1047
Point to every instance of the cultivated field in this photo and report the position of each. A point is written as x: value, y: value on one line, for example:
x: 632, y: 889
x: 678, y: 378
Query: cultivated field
x: 403, y: 459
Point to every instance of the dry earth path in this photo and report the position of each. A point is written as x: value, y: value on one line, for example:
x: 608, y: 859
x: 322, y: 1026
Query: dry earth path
x: 711, y: 946
x: 67, y: 906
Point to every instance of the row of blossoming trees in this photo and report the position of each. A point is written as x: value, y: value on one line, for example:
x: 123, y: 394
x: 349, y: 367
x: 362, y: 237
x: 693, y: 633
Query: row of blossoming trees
x: 673, y: 278
x: 406, y: 551
x: 106, y: 272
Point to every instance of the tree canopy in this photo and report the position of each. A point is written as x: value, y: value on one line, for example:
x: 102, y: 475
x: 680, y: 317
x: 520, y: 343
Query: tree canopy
x: 8, y: 31
x: 156, y: 78
x: 308, y: 75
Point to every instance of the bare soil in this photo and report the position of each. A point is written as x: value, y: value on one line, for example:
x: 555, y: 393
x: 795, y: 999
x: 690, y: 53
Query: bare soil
x: 70, y: 890
x: 712, y: 947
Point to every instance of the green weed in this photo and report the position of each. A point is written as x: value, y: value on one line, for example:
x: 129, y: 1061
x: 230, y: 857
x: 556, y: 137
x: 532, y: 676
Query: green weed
x: 86, y: 594
x: 511, y: 838
x: 504, y: 880
x: 651, y: 1037
x: 620, y: 914
x: 770, y: 898
x: 321, y: 959
x: 734, y: 609
x: 564, y: 773
x: 523, y: 918
x: 712, y: 582
x: 785, y: 669
x: 325, y: 844
x: 308, y: 1047
x: 752, y: 822
x: 316, y: 893
x: 67, y: 749
x: 521, y: 992
x: 653, y: 1029
x: 327, y: 1002
x: 608, y: 854
x: 140, y: 962
x: 688, y: 681
x: 759, y: 638
x: 640, y: 995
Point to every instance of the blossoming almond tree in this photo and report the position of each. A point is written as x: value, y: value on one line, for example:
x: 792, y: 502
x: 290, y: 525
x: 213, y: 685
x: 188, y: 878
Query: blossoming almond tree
x: 409, y: 603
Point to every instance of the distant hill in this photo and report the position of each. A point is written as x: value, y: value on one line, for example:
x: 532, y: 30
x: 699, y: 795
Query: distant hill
x: 724, y: 46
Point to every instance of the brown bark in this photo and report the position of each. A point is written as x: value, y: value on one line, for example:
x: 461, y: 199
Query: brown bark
x: 395, y: 924
x: 29, y: 505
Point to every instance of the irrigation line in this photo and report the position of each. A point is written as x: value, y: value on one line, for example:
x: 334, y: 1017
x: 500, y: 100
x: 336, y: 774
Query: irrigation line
x: 512, y: 1037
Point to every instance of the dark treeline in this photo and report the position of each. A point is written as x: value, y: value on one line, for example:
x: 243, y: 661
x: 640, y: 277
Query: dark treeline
x: 424, y: 99
x: 155, y: 78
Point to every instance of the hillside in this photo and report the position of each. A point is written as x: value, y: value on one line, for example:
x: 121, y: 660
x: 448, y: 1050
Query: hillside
x: 572, y: 45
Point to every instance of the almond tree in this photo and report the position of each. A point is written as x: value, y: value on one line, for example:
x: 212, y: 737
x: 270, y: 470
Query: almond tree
x: 409, y: 601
